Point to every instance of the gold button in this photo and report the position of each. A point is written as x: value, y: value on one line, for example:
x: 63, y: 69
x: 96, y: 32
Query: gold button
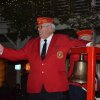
x: 42, y: 64
x: 42, y: 72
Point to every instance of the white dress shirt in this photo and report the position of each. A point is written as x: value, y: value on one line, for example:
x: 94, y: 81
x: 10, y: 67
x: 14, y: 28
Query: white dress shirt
x: 48, y: 43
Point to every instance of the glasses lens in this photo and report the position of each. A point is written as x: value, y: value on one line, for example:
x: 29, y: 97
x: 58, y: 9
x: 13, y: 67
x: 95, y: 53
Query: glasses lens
x: 41, y: 26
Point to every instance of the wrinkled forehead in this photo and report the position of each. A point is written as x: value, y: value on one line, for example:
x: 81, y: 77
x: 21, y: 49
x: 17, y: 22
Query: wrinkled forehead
x: 44, y: 24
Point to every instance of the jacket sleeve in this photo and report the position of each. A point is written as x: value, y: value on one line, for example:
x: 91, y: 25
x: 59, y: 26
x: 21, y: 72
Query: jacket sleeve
x: 15, y: 55
x: 77, y: 43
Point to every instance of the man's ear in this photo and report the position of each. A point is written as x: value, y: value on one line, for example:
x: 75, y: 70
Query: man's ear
x: 50, y: 28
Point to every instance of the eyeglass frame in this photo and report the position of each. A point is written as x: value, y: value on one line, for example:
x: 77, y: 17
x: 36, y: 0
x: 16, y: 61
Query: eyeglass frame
x: 43, y: 25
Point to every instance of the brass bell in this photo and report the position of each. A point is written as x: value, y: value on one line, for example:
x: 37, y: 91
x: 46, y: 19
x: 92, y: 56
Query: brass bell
x: 79, y: 74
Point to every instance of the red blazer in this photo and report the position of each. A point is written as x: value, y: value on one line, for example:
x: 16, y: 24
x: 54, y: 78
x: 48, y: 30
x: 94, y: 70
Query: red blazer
x: 51, y: 72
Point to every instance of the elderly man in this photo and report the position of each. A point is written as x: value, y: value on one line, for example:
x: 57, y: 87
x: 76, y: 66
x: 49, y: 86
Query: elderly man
x: 46, y: 54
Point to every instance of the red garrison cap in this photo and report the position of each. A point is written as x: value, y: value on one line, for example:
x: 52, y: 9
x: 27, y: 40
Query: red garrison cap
x: 42, y: 20
x: 85, y: 32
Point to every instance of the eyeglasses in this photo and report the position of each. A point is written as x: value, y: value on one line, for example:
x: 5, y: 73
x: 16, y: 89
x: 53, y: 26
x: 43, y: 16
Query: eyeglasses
x: 41, y: 26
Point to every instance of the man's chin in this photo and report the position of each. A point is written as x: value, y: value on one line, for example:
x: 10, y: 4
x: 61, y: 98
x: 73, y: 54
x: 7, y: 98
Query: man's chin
x: 41, y: 36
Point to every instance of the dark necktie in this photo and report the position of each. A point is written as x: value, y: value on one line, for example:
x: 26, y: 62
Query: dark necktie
x: 44, y: 50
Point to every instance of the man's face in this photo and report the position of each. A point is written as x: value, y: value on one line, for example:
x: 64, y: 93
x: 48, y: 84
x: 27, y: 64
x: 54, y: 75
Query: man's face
x: 45, y: 30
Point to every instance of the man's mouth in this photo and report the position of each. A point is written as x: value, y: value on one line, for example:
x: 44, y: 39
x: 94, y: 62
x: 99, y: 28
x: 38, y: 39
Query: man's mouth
x: 40, y: 33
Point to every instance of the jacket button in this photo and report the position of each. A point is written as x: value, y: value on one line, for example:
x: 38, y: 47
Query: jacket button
x: 42, y: 72
x: 42, y: 64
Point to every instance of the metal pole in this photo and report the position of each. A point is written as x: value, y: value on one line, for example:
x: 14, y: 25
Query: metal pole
x: 91, y: 73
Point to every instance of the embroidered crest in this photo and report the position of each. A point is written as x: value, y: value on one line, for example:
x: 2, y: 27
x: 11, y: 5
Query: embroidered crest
x: 59, y: 54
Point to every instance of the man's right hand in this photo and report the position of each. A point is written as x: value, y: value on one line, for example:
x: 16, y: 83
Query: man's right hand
x: 1, y: 49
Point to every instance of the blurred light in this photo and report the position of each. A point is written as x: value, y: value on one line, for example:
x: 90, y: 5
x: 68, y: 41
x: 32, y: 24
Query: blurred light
x: 18, y: 67
x: 27, y: 67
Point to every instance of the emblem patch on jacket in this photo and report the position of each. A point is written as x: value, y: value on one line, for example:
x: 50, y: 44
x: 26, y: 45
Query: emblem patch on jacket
x: 59, y: 54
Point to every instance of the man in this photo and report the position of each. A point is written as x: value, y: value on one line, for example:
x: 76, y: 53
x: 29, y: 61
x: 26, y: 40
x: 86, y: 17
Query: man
x: 77, y: 91
x: 47, y: 79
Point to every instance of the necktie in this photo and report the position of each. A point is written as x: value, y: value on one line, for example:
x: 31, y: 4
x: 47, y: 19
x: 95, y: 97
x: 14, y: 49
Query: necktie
x: 44, y: 49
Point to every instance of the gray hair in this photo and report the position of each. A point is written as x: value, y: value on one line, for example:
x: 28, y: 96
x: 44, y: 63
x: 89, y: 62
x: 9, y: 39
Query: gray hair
x: 53, y: 27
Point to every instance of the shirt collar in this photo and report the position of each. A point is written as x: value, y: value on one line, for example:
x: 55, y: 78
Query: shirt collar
x: 48, y: 39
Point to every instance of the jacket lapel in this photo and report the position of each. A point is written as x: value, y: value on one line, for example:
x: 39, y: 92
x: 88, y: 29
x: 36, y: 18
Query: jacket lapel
x: 38, y: 48
x: 51, y: 46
